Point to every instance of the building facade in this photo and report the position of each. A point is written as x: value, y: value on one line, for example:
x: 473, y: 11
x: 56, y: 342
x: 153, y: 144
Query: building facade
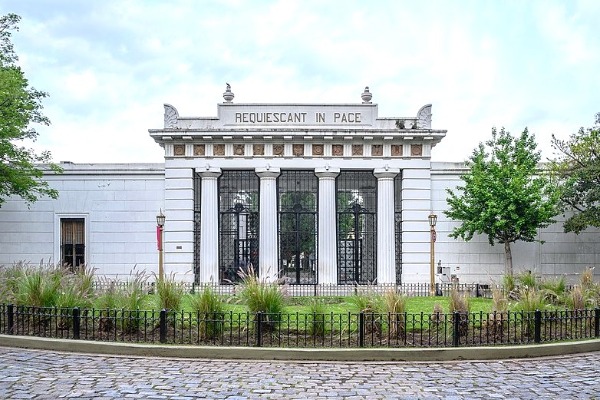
x: 306, y: 193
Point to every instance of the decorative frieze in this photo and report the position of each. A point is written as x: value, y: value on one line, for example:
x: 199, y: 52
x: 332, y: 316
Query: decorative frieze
x: 258, y: 149
x: 238, y: 149
x: 396, y: 150
x: 416, y: 150
x: 317, y: 150
x: 357, y: 149
x: 298, y: 150
x: 377, y: 150
x: 199, y: 150
x: 337, y: 150
x: 179, y: 150
x: 277, y: 149
x: 219, y: 149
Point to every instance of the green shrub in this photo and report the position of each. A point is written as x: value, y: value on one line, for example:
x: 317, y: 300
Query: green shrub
x: 38, y: 286
x: 394, y: 304
x: 133, y: 300
x: 169, y: 293
x: 527, y: 278
x: 209, y: 311
x: 316, y: 321
x: 459, y: 302
x: 261, y: 296
x: 554, y: 290
x: 9, y: 280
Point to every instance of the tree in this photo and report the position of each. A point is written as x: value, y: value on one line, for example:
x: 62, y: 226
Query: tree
x: 578, y: 171
x: 20, y: 106
x: 505, y: 196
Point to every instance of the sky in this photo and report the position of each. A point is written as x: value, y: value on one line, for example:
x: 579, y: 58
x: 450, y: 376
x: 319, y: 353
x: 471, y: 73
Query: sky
x: 110, y: 65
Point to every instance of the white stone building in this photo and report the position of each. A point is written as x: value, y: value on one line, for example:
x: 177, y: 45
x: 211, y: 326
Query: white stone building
x: 312, y: 193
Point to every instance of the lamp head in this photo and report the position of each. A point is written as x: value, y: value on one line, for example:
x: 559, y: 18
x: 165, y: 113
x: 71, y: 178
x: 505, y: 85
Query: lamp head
x: 160, y: 219
x: 432, y: 219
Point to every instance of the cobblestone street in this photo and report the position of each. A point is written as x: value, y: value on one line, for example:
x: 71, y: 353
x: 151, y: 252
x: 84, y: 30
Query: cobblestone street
x: 26, y: 374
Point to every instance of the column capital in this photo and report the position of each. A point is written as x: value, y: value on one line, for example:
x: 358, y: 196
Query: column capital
x: 327, y: 172
x: 386, y: 172
x: 208, y: 172
x: 267, y: 172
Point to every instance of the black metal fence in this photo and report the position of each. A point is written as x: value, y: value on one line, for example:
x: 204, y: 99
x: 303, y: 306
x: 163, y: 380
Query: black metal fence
x: 299, y: 330
x: 330, y: 290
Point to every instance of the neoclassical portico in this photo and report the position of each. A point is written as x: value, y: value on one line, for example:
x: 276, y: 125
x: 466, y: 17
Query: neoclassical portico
x: 308, y: 193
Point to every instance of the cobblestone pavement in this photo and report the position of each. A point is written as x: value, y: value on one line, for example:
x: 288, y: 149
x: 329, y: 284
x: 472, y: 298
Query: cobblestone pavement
x: 26, y: 374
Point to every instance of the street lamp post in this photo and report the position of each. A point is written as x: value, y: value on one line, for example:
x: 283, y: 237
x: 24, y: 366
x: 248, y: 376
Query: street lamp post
x: 160, y: 223
x: 432, y: 221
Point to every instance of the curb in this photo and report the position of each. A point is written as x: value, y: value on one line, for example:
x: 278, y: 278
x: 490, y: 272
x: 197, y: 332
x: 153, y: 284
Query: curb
x: 301, y: 354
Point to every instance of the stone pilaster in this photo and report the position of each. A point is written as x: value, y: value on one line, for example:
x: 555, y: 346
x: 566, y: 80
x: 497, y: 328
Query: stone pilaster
x: 267, y: 242
x: 327, y: 244
x: 209, y: 226
x: 386, y: 243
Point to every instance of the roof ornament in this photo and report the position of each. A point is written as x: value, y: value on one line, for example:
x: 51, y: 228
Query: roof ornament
x: 424, y: 117
x: 171, y: 116
x: 366, y: 96
x: 228, y: 95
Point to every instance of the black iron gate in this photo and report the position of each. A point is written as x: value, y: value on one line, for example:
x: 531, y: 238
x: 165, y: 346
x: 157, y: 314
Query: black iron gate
x: 357, y: 227
x: 297, y: 196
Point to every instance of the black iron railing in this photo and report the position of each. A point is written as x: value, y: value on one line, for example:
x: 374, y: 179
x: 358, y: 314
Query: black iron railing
x: 300, y: 330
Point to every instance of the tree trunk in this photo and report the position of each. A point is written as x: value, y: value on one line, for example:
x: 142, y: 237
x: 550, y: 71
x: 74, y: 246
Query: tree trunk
x: 508, y: 264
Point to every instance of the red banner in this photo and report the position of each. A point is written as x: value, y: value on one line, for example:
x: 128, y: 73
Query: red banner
x: 433, y: 235
x: 159, y: 237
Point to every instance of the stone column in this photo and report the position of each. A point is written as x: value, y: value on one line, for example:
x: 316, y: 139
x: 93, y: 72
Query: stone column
x: 327, y: 245
x: 209, y: 226
x: 268, y: 267
x: 386, y: 241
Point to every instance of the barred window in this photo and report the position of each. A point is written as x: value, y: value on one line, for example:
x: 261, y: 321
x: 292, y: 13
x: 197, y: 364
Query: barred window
x: 72, y: 242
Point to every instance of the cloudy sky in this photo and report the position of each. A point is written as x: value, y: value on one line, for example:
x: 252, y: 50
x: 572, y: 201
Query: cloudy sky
x: 109, y: 65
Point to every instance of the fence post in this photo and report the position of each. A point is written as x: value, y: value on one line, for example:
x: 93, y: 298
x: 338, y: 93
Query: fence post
x: 597, y: 322
x: 10, y: 311
x: 361, y: 329
x: 259, y: 319
x: 477, y: 294
x: 163, y: 326
x: 76, y: 323
x: 455, y: 329
x: 537, y: 329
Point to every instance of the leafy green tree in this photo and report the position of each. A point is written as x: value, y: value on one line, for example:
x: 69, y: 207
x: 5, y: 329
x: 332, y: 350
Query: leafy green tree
x: 20, y: 106
x: 578, y: 171
x: 505, y: 196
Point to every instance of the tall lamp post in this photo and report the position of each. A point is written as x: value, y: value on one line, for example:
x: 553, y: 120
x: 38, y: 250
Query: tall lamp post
x: 432, y: 221
x: 160, y: 223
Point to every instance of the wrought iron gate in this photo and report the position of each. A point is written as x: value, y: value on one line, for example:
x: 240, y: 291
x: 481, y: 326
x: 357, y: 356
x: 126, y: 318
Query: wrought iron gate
x: 357, y: 230
x: 297, y: 197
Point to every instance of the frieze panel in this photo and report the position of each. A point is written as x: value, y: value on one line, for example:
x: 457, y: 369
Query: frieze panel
x: 377, y: 150
x: 258, y: 149
x: 357, y: 149
x: 238, y: 149
x: 199, y: 150
x: 396, y: 150
x: 298, y: 150
x: 317, y: 149
x: 277, y: 149
x: 219, y: 150
x: 337, y: 150
x: 416, y: 150
x: 179, y: 150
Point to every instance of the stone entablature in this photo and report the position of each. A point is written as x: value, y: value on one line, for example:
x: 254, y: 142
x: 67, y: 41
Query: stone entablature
x: 297, y: 130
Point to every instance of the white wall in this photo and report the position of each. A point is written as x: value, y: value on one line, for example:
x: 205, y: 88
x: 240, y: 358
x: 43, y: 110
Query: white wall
x: 119, y: 203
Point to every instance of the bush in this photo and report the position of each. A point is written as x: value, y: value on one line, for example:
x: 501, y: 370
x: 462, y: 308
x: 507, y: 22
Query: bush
x: 554, y: 290
x: 317, y: 310
x: 38, y: 286
x: 261, y: 296
x: 459, y: 303
x: 169, y: 293
x: 394, y: 304
x: 209, y: 311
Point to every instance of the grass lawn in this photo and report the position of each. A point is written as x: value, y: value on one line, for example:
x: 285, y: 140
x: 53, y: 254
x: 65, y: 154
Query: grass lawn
x: 342, y: 305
